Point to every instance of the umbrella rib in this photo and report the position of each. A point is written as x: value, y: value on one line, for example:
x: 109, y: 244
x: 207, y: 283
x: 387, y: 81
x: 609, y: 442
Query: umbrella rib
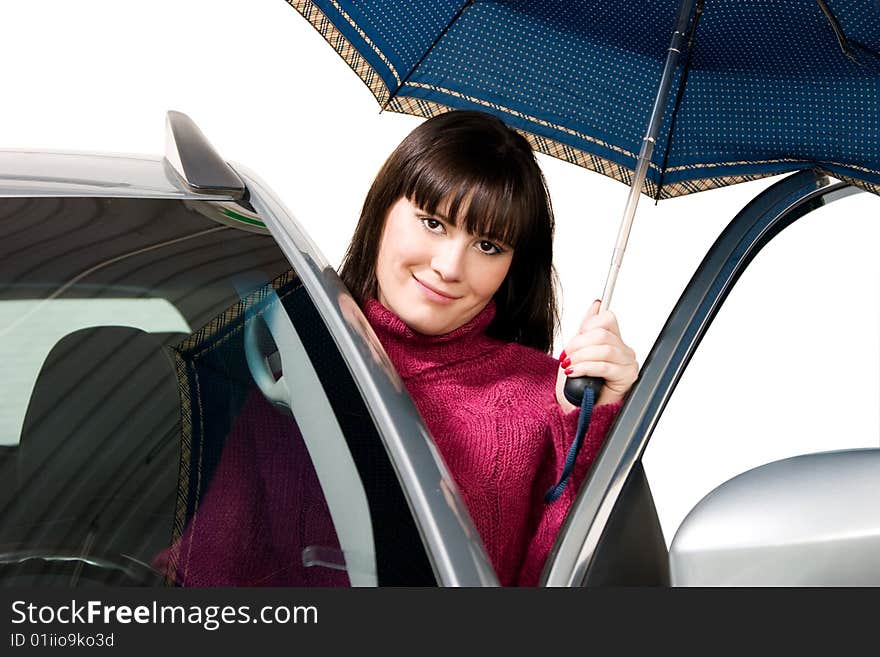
x: 682, y: 83
x: 838, y: 30
x: 427, y: 52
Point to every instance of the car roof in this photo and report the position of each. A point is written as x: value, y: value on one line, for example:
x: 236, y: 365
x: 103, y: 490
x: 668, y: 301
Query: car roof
x: 60, y: 173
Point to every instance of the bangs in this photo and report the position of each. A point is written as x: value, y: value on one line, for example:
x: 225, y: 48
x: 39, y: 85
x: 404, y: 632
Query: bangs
x: 488, y: 206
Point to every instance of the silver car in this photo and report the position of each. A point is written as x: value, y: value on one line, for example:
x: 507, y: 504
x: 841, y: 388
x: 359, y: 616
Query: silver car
x: 190, y: 397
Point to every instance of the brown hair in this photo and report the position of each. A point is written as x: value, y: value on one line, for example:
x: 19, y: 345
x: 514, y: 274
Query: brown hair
x: 488, y: 175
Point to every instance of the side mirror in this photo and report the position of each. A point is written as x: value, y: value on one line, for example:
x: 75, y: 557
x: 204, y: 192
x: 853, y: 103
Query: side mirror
x: 811, y: 520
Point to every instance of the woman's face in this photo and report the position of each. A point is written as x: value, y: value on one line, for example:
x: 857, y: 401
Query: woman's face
x: 434, y: 275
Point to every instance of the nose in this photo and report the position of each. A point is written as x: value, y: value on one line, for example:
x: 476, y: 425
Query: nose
x: 448, y: 260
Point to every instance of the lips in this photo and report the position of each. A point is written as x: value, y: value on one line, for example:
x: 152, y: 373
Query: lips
x: 435, y: 290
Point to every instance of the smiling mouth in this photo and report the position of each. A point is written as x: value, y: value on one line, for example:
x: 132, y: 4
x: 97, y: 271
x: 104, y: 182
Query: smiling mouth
x: 434, y: 290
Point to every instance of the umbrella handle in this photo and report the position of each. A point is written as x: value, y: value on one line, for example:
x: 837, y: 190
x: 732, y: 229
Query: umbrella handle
x: 575, y: 386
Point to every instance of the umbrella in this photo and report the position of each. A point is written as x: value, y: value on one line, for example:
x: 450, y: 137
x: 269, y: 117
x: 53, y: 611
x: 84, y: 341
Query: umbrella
x: 770, y: 87
x: 729, y: 91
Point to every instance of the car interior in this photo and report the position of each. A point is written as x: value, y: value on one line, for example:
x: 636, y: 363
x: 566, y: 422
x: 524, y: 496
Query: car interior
x: 150, y: 457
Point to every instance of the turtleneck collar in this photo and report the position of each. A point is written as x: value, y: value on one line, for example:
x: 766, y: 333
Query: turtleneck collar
x: 412, y: 353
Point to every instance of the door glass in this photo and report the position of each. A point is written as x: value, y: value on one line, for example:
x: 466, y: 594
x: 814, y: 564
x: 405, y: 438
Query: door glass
x: 790, y: 365
x: 161, y: 418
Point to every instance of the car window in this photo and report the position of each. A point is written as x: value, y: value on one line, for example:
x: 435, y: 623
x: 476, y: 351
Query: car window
x: 790, y: 365
x: 174, y: 411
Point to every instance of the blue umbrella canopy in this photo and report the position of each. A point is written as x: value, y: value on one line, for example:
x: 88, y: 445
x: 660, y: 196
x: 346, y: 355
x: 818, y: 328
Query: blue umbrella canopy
x: 765, y: 88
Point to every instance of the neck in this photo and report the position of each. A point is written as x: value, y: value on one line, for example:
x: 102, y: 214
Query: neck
x: 413, y: 353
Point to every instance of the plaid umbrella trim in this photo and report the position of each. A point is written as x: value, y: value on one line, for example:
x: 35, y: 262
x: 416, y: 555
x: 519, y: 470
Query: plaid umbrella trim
x: 864, y: 184
x: 553, y: 148
x: 183, y: 475
x: 349, y: 53
x: 532, y: 119
x: 782, y: 160
x: 192, y: 348
x: 426, y: 108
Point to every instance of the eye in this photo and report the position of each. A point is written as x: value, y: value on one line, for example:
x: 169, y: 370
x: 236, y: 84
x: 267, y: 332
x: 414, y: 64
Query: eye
x: 489, y: 248
x: 431, y: 224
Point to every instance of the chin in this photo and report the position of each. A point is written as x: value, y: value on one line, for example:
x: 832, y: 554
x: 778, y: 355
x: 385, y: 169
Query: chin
x: 423, y: 317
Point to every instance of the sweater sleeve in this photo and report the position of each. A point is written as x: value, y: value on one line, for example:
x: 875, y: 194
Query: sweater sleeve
x: 263, y: 506
x: 547, y: 518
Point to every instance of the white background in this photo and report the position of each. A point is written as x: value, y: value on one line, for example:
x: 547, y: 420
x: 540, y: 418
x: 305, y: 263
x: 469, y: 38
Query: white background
x: 790, y: 365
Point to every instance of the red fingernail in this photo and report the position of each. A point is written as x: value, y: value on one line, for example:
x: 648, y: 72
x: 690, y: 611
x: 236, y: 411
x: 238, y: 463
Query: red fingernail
x: 562, y: 355
x: 565, y: 363
x: 568, y: 371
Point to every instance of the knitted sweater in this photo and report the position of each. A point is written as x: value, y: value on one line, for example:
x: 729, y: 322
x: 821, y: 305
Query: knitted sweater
x: 492, y: 410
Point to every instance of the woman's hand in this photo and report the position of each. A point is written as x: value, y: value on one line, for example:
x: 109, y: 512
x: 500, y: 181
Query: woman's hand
x: 598, y: 350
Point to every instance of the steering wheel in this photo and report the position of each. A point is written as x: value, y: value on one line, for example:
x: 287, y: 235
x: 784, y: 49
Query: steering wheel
x: 68, y: 569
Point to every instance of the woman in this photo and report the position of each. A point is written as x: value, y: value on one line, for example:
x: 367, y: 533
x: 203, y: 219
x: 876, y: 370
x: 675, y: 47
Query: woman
x: 451, y: 262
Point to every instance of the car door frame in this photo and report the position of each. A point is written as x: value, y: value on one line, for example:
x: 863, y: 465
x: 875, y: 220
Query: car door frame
x: 753, y: 227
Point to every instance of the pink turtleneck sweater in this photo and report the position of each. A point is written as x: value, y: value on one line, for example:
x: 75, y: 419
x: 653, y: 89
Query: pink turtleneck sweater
x: 491, y: 408
x: 492, y: 411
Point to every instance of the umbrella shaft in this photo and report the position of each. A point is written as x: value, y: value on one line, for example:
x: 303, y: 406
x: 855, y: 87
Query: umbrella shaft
x: 629, y: 214
x: 611, y: 279
x: 672, y: 56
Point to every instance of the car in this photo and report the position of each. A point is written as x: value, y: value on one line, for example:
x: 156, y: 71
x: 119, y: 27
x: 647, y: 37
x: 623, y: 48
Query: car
x: 191, y: 397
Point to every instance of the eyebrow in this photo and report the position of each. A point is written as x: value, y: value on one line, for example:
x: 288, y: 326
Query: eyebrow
x: 439, y: 215
x: 436, y: 214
